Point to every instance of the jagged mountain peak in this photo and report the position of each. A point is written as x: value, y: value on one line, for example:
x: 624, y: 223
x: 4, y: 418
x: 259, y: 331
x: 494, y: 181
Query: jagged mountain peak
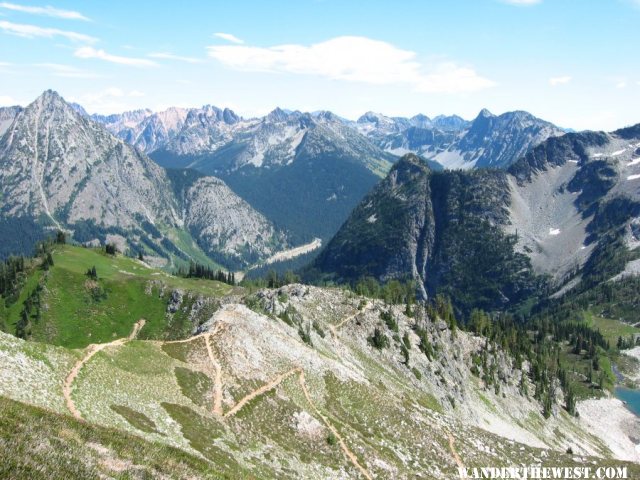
x: 51, y: 100
x: 453, y: 123
x: 407, y: 169
x: 277, y: 115
x: 373, y: 117
x: 421, y: 121
x: 230, y: 117
x: 485, y: 113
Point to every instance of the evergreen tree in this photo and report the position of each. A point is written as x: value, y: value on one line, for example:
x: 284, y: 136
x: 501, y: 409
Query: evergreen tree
x: 61, y: 238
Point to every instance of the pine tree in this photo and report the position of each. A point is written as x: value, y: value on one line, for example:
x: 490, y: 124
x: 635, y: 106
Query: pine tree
x: 547, y: 405
x: 61, y: 238
x: 570, y: 400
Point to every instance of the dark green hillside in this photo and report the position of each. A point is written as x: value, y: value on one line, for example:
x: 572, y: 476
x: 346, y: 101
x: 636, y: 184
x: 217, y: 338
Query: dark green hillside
x: 474, y: 261
x: 64, y: 305
x: 372, y: 241
x: 443, y: 227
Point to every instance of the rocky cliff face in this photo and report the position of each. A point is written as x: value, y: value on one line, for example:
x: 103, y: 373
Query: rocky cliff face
x: 63, y: 170
x: 224, y: 225
x: 7, y: 115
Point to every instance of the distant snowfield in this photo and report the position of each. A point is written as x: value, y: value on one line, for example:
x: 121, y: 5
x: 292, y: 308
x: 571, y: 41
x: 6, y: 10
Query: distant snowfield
x: 618, y: 152
x: 635, y: 161
x: 554, y: 231
x: 633, y: 177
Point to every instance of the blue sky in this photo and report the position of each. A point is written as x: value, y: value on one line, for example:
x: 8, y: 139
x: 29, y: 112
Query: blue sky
x: 573, y: 62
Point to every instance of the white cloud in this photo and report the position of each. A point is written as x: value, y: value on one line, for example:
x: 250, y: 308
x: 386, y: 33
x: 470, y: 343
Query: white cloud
x: 178, y: 58
x: 46, y: 11
x: 621, y: 84
x: 522, y: 3
x: 66, y: 71
x: 33, y: 31
x: 355, y: 59
x: 7, y: 101
x: 228, y: 37
x: 90, y: 52
x: 555, y: 81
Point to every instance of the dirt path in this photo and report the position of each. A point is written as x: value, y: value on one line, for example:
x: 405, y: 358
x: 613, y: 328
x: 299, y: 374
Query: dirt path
x: 136, y: 329
x: 262, y: 390
x: 301, y: 379
x: 348, y: 453
x: 456, y: 457
x: 67, y: 386
x: 217, y: 382
x: 217, y: 328
x: 334, y: 328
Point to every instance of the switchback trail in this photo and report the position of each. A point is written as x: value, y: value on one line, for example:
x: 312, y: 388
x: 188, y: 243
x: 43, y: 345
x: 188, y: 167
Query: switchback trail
x: 262, y: 390
x: 348, y: 453
x: 301, y: 379
x: 91, y: 351
x: 218, y: 327
x: 217, y: 383
x: 334, y: 328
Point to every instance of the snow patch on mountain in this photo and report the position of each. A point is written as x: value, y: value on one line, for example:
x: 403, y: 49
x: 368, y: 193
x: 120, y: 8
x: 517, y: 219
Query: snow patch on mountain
x: 538, y: 229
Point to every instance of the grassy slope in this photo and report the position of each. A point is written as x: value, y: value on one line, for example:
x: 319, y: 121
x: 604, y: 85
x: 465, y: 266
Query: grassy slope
x: 140, y: 389
x: 75, y: 313
x: 163, y: 393
x: 611, y: 329
x: 39, y: 444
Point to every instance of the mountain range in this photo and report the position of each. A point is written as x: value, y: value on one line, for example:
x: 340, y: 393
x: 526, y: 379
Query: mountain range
x: 565, y: 214
x: 62, y: 170
x: 307, y: 171
x: 454, y: 143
